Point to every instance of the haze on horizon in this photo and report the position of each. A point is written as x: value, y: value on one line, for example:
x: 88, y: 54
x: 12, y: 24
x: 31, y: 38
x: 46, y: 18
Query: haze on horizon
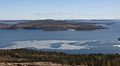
x: 59, y: 9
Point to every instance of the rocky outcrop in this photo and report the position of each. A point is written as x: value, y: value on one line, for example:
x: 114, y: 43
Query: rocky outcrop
x: 118, y: 39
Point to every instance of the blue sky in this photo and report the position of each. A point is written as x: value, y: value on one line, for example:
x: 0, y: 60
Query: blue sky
x: 59, y: 9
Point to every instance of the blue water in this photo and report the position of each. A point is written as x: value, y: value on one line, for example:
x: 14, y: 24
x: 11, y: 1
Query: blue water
x: 103, y: 44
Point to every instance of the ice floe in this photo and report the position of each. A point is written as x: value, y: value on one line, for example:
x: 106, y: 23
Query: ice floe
x: 116, y: 45
x: 47, y: 44
x: 61, y: 44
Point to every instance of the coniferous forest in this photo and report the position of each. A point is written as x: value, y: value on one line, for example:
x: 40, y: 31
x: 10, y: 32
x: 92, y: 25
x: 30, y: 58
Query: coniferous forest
x: 25, y: 55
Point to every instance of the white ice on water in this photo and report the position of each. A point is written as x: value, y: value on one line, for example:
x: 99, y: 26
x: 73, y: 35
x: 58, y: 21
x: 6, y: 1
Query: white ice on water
x: 46, y: 44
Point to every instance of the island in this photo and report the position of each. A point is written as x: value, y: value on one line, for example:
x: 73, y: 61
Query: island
x: 52, y: 25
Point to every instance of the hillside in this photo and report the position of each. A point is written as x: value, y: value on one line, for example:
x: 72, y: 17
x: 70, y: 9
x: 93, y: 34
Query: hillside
x: 28, y: 56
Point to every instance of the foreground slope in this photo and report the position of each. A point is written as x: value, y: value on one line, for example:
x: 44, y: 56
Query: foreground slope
x: 28, y: 56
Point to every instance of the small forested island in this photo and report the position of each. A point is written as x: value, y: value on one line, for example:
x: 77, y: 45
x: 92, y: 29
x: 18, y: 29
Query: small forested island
x: 52, y: 25
x: 22, y: 57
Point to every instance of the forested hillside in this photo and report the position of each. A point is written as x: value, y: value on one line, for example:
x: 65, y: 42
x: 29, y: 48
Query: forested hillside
x: 24, y: 55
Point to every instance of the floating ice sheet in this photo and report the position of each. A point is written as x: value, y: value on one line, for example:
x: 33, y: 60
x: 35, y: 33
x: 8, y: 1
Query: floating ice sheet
x: 62, y: 44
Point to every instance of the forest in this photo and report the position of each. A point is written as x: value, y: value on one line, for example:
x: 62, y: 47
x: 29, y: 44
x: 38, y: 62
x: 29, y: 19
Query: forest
x: 27, y: 55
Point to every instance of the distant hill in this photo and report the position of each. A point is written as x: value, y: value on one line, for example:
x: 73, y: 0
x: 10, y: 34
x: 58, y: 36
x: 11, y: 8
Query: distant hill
x: 14, y: 20
x: 4, y: 26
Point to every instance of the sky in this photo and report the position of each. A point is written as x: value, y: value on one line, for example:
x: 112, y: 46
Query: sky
x: 59, y: 9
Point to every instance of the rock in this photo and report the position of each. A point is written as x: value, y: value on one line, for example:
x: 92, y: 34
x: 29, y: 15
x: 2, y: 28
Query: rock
x: 118, y: 39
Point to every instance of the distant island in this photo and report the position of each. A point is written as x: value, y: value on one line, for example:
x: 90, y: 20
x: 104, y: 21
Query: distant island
x: 52, y: 25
